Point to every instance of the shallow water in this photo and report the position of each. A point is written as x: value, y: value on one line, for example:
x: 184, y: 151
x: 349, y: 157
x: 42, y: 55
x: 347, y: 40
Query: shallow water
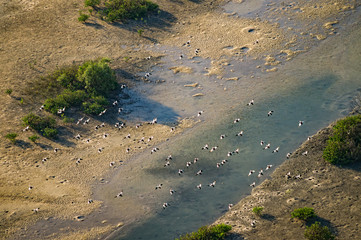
x: 316, y: 87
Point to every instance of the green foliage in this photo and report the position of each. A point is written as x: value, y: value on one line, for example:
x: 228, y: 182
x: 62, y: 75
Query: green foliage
x: 140, y: 32
x: 216, y: 232
x: 317, y: 232
x: 21, y: 101
x: 83, y: 17
x: 305, y: 213
x: 11, y: 137
x: 115, y: 10
x: 344, y: 146
x: 50, y: 132
x: 67, y: 119
x: 95, y: 105
x: 97, y: 76
x: 66, y: 99
x: 257, y: 210
x: 44, y: 125
x: 91, y: 3
x: 8, y: 91
x: 33, y: 138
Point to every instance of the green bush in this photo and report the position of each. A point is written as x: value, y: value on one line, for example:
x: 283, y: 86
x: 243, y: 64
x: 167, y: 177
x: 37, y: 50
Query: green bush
x: 216, y: 232
x: 95, y: 105
x: 305, y: 213
x: 257, y: 210
x: 344, y: 146
x: 98, y: 77
x: 317, y: 232
x: 44, y: 125
x: 50, y: 132
x: 11, y: 137
x: 8, y: 91
x: 83, y: 17
x: 91, y: 3
x: 33, y: 138
x: 66, y: 99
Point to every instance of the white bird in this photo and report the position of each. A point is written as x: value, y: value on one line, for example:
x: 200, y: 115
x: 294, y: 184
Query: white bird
x: 236, y: 120
x: 253, y: 184
x: 251, y: 172
x: 90, y: 201
x: 212, y: 184
x: 222, y: 136
x: 205, y: 147
x: 269, y: 113
x: 154, y: 150
x: 229, y: 154
x: 224, y: 161
x: 41, y: 107
x: 260, y: 173
x: 199, y: 186
x: 159, y: 186
x: 200, y: 113
x: 300, y: 123
x: 218, y: 165
x: 120, y: 110
x: 288, y: 155
x: 171, y: 191
x: 115, y: 103
x: 78, y: 136
x: 181, y: 56
x: 267, y: 146
x: 236, y: 151
x: 276, y: 150
x: 305, y: 153
x: 111, y: 164
x: 100, y: 150
x: 165, y: 205
x: 199, y: 172
x: 269, y: 166
x: 213, y: 149
x: 150, y: 138
x: 240, y: 134
x: 262, y: 142
x: 44, y: 159
x: 253, y: 223
x: 172, y: 129
x: 188, y: 164
x: 250, y: 102
x: 167, y: 164
x: 30, y: 188
x: 105, y: 135
x: 180, y: 171
x: 120, y: 194
x: 230, y: 206
x: 26, y: 129
x: 195, y: 160
x: 56, y: 150
x: 35, y: 210
x: 127, y: 150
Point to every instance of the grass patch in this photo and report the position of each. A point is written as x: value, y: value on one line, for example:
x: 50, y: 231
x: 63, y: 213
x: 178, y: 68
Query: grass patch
x: 34, y: 138
x: 304, y: 214
x: 344, y: 146
x: 317, y: 232
x: 8, y: 91
x: 216, y: 232
x: 11, y: 137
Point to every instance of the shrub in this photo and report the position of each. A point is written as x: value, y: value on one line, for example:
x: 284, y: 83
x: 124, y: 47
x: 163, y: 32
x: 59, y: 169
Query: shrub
x: 97, y: 76
x: 95, y: 105
x: 68, y: 120
x: 50, y: 132
x: 140, y: 32
x: 33, y: 138
x: 44, y: 125
x: 216, y: 232
x: 91, y: 3
x: 257, y: 210
x: 317, y: 232
x: 11, y: 137
x: 344, y: 146
x: 8, y: 91
x: 303, y: 213
x: 83, y: 17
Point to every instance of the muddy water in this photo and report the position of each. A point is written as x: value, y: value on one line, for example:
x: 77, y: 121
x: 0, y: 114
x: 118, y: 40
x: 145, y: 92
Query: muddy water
x: 316, y: 87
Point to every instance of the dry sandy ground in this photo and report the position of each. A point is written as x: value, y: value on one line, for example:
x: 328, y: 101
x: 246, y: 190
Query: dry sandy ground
x: 38, y: 35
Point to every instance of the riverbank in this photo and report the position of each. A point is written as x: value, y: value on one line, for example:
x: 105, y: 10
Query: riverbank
x: 301, y: 181
x: 59, y: 188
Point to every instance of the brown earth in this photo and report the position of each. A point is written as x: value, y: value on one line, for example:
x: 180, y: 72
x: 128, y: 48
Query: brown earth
x: 39, y: 35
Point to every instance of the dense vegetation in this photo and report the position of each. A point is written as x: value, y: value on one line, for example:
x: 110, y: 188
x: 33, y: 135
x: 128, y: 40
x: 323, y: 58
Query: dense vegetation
x: 44, y: 125
x: 120, y: 10
x: 216, y: 232
x: 85, y: 86
x: 317, y: 232
x: 344, y: 146
x: 305, y: 213
x: 12, y: 137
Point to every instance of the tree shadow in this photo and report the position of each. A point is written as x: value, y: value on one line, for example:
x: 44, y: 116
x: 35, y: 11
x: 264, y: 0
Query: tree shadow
x: 268, y: 217
x: 234, y: 236
x: 94, y: 25
x: 22, y: 144
x: 44, y: 146
x: 323, y: 222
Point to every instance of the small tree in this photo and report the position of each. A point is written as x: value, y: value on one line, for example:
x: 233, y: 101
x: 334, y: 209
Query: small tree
x: 216, y: 232
x: 91, y: 3
x: 257, y: 211
x: 33, y: 138
x: 140, y: 32
x: 11, y: 137
x: 317, y: 232
x: 304, y: 214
